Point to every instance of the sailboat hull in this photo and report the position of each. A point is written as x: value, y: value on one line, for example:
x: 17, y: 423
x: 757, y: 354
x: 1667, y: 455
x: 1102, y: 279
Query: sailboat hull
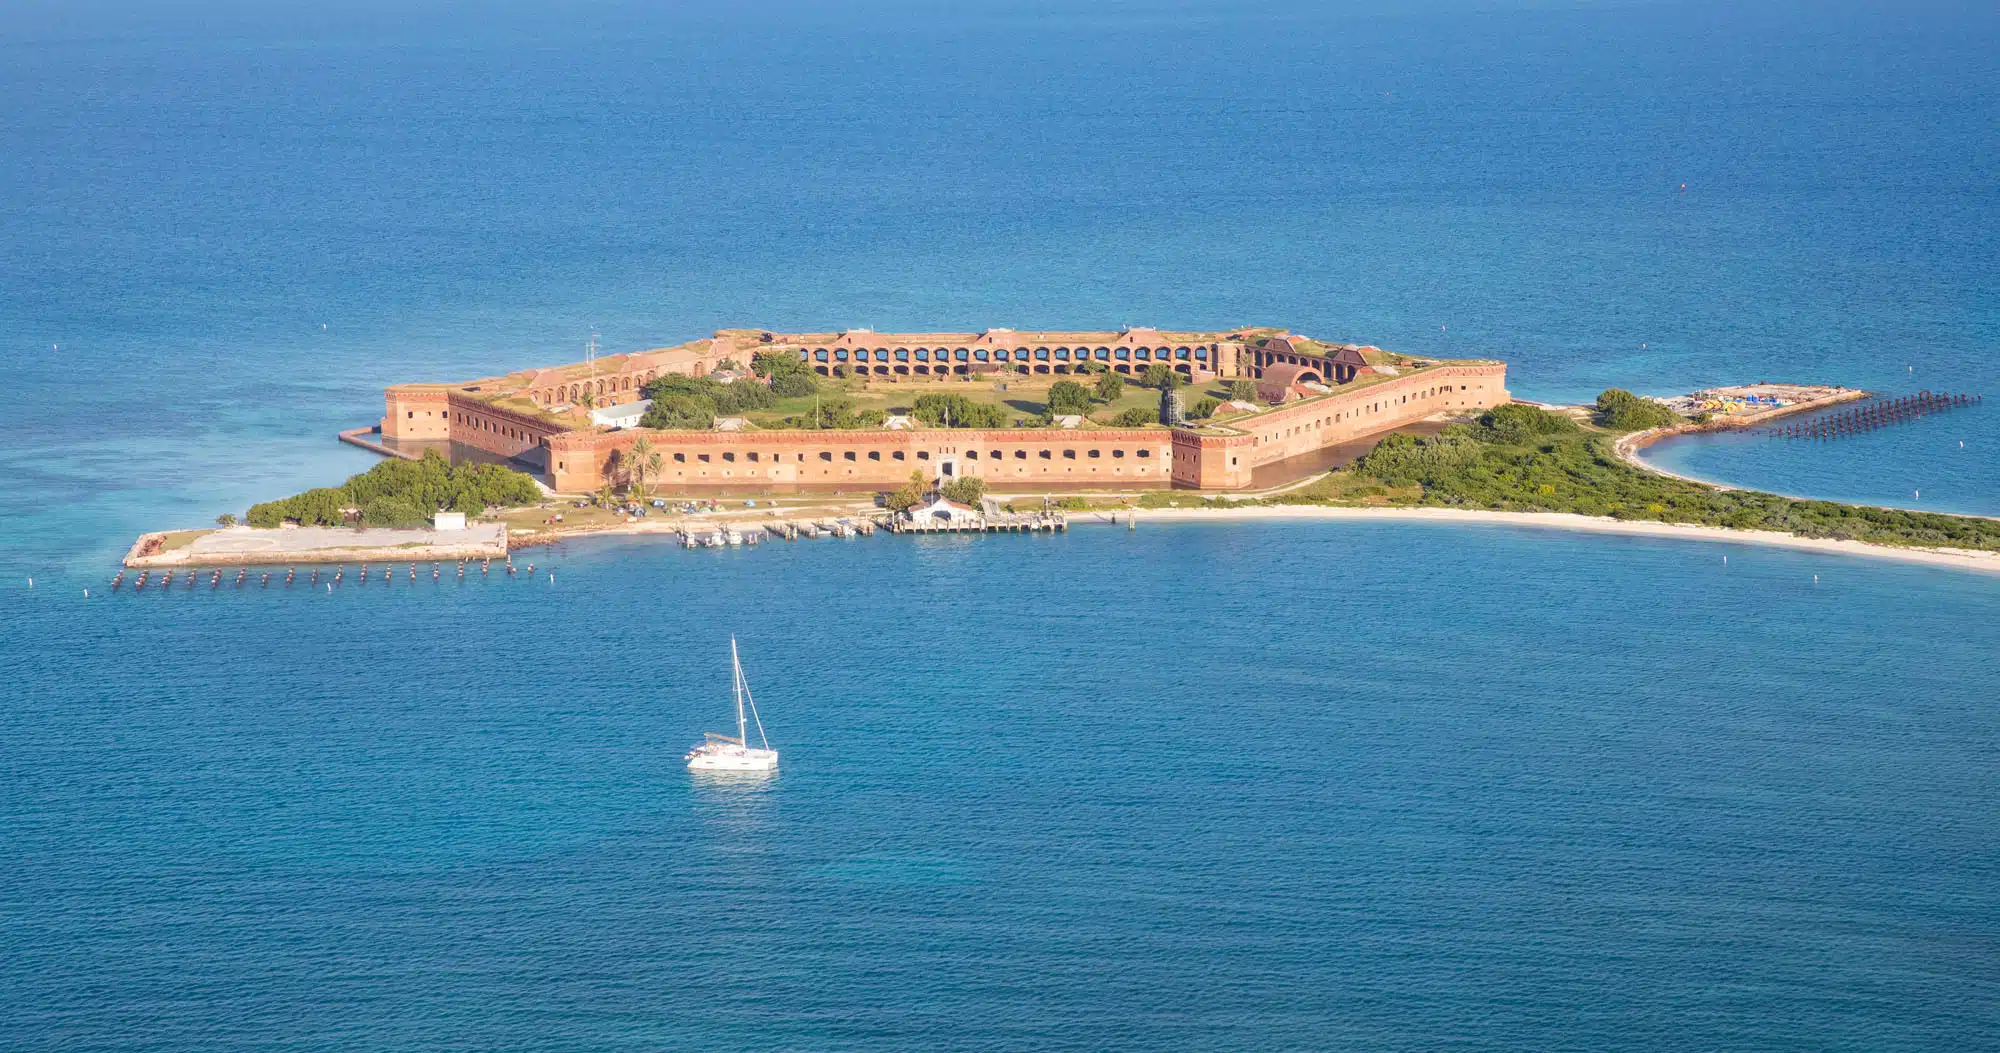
x: 716, y: 757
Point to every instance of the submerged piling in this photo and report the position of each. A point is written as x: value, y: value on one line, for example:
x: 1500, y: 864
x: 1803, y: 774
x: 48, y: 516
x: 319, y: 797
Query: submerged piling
x: 1869, y: 417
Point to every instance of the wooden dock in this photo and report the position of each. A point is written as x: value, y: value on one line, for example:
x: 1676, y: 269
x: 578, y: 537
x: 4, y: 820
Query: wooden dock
x: 999, y: 523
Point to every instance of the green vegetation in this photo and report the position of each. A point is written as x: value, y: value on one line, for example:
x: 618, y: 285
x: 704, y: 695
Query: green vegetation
x: 1623, y: 411
x: 1522, y: 459
x: 679, y: 412
x: 1109, y: 386
x: 1204, y: 408
x: 1514, y: 424
x: 694, y: 397
x: 833, y: 415
x: 957, y: 411
x: 966, y: 490
x: 1162, y: 376
x: 644, y: 463
x: 1068, y: 396
x: 403, y: 493
x: 789, y: 375
x: 793, y: 385
x: 1136, y: 417
x: 226, y: 519
x: 1243, y: 389
x: 908, y: 495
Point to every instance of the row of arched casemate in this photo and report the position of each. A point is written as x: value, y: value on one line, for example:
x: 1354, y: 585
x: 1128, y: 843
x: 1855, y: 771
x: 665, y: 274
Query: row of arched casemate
x: 1060, y: 360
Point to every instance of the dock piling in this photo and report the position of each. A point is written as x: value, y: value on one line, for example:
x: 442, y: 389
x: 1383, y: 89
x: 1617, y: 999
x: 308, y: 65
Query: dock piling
x: 1873, y: 415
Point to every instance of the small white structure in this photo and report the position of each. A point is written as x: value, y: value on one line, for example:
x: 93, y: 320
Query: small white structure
x: 731, y: 423
x: 1069, y: 420
x: 941, y: 510
x: 623, y: 415
x: 448, y: 521
x: 898, y: 422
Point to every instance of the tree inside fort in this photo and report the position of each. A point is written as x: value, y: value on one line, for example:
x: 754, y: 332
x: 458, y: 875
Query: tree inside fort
x: 721, y: 399
x: 788, y: 374
x: 957, y: 411
x: 1136, y: 417
x: 834, y: 415
x: 1068, y: 396
x: 400, y: 493
x: 679, y: 413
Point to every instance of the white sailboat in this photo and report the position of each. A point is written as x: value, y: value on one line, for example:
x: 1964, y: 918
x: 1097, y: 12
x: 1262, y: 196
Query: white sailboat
x: 723, y: 753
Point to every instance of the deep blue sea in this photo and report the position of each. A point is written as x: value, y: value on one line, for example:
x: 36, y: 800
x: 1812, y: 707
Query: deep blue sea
x: 1284, y: 786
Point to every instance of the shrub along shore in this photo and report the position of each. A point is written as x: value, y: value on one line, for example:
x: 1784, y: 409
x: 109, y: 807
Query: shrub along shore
x: 400, y: 493
x: 1523, y: 459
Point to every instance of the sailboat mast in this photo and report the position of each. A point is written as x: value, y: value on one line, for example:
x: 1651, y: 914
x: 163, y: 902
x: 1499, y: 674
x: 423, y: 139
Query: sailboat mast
x: 736, y: 683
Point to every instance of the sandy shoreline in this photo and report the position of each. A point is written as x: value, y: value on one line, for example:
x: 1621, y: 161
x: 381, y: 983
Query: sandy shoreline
x: 1961, y: 559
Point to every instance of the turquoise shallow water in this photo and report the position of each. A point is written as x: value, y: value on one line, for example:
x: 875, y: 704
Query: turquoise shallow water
x: 1283, y: 786
x: 1198, y: 786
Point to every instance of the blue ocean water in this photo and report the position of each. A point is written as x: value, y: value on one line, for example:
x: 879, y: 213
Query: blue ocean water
x: 1283, y: 786
x: 1189, y: 787
x: 229, y: 227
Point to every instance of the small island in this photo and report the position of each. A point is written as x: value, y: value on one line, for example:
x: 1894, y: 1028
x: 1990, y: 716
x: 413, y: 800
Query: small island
x: 1020, y: 430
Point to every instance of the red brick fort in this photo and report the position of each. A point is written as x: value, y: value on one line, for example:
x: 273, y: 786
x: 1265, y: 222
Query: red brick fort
x: 1310, y: 395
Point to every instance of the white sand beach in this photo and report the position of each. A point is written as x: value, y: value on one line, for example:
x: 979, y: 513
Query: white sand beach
x: 1962, y: 559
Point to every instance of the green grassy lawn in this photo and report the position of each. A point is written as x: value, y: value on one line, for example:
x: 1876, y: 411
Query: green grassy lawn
x: 1023, y: 397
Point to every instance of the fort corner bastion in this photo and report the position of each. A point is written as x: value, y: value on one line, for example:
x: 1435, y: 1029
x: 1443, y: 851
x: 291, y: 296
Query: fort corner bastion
x: 1310, y: 395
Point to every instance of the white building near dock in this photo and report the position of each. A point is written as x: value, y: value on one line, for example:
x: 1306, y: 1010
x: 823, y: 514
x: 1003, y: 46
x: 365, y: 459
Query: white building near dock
x: 943, y: 511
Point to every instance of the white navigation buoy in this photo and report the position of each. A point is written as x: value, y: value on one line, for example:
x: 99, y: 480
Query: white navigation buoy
x: 1815, y: 579
x: 31, y: 583
x: 86, y: 594
x: 1725, y: 561
x: 1917, y: 494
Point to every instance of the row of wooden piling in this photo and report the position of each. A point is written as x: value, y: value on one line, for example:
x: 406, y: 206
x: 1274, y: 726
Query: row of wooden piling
x: 1873, y: 415
x: 387, y: 575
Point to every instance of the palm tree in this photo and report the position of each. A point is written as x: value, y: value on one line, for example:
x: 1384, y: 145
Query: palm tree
x: 588, y: 400
x: 645, y: 461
